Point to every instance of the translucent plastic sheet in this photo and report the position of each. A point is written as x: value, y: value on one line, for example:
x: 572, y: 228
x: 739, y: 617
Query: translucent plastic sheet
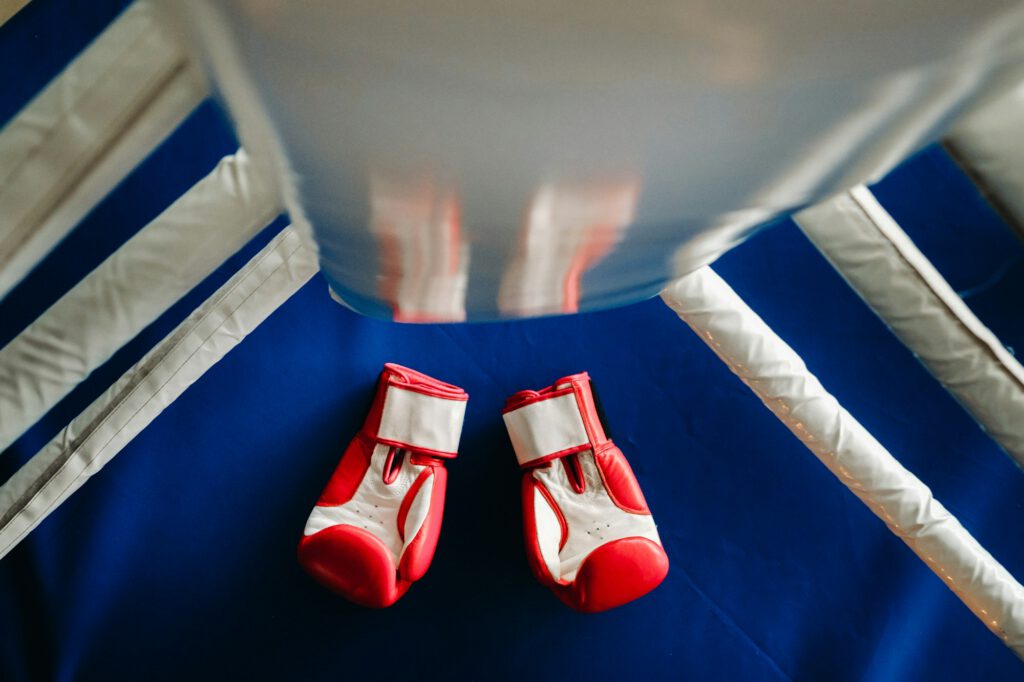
x: 989, y: 144
x: 714, y: 116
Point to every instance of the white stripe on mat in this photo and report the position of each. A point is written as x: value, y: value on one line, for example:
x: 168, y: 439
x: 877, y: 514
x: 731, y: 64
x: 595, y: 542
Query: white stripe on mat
x: 129, y: 290
x: 894, y: 278
x: 86, y: 131
x: 94, y: 437
x: 777, y: 375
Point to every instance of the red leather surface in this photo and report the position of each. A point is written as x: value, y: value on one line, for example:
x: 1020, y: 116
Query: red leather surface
x: 532, y: 546
x: 410, y: 495
x: 619, y: 480
x: 420, y: 550
x: 354, y: 564
x: 530, y: 487
x: 619, y: 571
x: 588, y: 409
x: 522, y: 398
x: 349, y: 472
x: 615, y: 574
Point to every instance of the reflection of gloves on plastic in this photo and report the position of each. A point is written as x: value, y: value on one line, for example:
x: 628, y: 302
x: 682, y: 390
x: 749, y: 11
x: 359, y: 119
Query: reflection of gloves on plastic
x: 375, y: 527
x: 589, y: 534
x: 424, y: 262
x: 568, y: 229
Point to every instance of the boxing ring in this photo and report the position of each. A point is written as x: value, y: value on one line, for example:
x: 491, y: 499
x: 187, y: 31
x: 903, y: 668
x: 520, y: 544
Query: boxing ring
x: 176, y: 373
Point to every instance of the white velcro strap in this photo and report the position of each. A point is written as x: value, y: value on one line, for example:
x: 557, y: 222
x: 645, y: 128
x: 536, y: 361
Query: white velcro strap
x: 421, y: 421
x: 545, y: 428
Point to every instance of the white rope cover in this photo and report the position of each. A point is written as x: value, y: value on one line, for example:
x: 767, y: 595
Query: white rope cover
x: 777, y: 375
x: 894, y: 278
x: 989, y: 144
x: 129, y: 290
x: 93, y: 438
x: 86, y: 131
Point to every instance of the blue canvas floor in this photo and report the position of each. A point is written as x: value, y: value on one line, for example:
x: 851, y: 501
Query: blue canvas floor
x: 177, y: 560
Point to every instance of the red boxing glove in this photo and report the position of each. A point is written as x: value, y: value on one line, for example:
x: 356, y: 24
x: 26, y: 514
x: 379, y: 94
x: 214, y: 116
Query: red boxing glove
x: 589, y: 534
x: 374, y: 529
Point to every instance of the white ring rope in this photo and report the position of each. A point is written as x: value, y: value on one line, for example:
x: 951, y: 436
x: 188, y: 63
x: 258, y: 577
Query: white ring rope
x: 894, y: 278
x: 129, y: 290
x: 93, y: 438
x: 86, y: 131
x: 777, y: 375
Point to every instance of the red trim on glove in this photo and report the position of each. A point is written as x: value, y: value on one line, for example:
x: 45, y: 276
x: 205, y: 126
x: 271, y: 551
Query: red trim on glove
x: 420, y: 551
x: 409, y: 380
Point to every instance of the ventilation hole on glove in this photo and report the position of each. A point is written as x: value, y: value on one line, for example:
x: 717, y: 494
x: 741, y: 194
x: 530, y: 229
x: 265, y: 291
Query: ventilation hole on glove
x: 607, y: 525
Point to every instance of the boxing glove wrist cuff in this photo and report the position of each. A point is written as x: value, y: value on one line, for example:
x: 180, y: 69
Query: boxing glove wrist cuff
x: 554, y: 422
x: 417, y: 412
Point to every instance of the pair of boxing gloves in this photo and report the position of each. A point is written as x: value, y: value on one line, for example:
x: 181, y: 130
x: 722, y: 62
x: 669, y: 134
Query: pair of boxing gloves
x: 590, y: 537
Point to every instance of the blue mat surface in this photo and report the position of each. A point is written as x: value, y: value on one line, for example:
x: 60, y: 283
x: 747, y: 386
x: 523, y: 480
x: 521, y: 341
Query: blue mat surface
x: 177, y: 561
